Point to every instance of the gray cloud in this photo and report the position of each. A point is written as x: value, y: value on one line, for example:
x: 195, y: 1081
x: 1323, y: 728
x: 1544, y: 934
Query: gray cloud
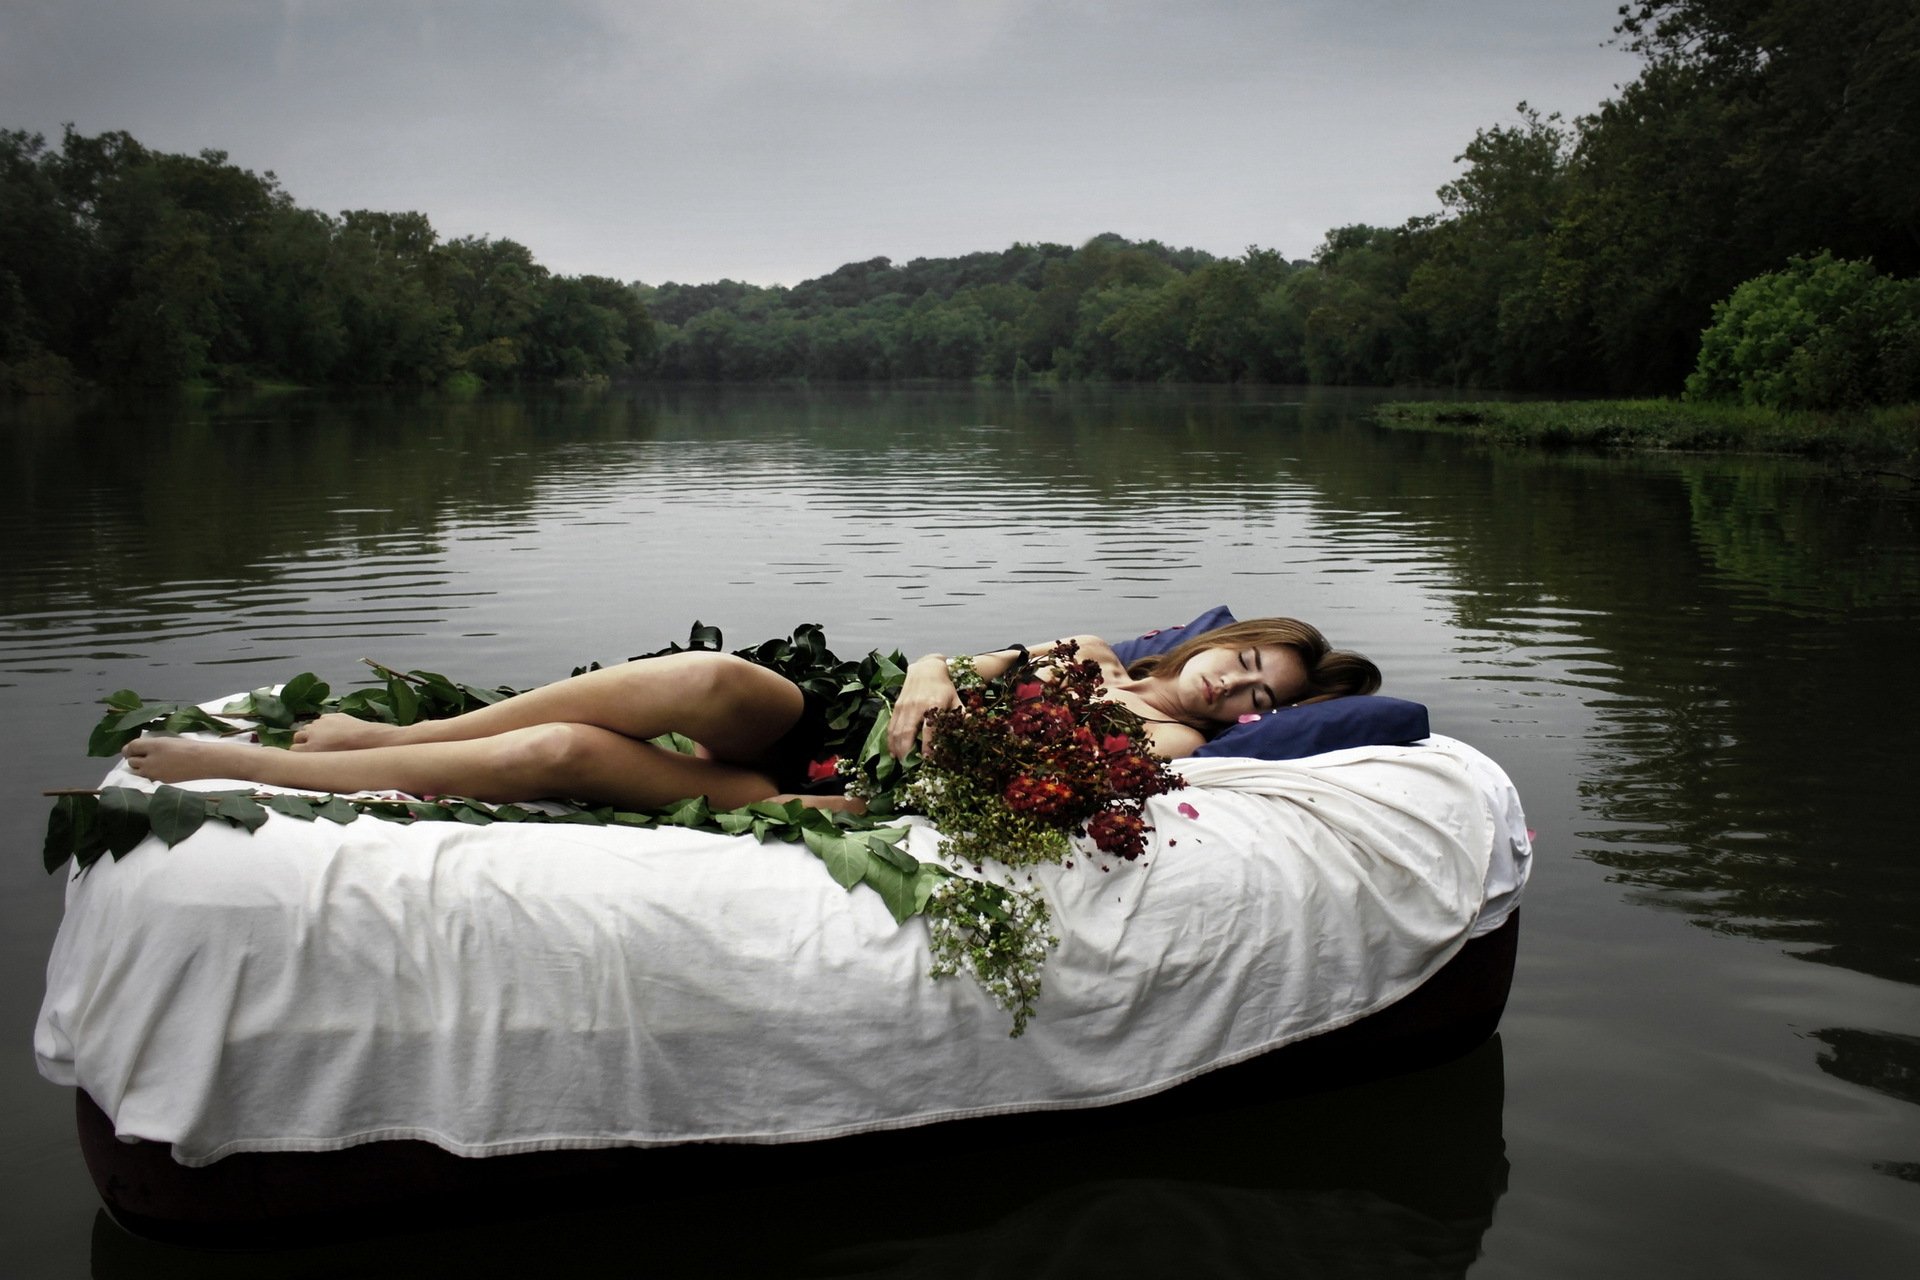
x: 770, y: 140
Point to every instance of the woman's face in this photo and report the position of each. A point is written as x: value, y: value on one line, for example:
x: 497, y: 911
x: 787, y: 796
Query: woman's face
x: 1221, y: 685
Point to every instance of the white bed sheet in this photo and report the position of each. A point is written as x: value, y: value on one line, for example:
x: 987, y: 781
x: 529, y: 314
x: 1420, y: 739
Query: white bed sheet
x: 512, y: 988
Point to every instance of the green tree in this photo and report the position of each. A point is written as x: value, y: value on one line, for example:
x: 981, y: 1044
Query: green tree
x: 1352, y: 327
x: 1824, y: 333
x: 494, y: 288
x: 164, y: 319
x: 1834, y: 120
x: 390, y: 284
x: 1480, y: 291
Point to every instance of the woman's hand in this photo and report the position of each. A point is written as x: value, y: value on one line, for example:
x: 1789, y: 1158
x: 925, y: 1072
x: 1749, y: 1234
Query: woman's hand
x: 927, y: 688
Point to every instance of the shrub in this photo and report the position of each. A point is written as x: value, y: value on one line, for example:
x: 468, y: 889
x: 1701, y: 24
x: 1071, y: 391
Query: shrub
x: 1824, y: 333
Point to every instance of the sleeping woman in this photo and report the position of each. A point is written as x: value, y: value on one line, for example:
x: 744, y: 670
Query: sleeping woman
x: 586, y: 738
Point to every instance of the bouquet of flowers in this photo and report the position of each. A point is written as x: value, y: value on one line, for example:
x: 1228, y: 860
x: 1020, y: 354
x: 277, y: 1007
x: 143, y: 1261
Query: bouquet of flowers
x: 1029, y: 760
x: 1034, y: 757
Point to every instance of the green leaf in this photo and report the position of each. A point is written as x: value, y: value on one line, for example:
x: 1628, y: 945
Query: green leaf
x: 117, y: 730
x: 73, y: 831
x: 470, y: 813
x: 405, y: 702
x: 628, y: 818
x: 145, y: 714
x: 123, y: 700
x: 304, y: 808
x: 123, y: 818
x: 691, y: 812
x: 280, y: 739
x: 241, y: 811
x: 268, y: 709
x: 736, y: 821
x: 891, y: 884
x: 175, y: 814
x: 334, y: 809
x: 846, y: 856
x: 439, y: 696
x: 305, y: 694
x: 107, y: 740
x: 192, y: 720
x: 885, y: 845
x: 367, y: 704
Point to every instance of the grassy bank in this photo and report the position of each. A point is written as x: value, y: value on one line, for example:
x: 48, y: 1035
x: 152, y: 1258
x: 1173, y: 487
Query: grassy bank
x: 1870, y: 435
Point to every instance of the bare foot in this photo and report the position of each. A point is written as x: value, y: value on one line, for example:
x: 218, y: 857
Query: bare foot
x: 184, y: 759
x: 339, y: 732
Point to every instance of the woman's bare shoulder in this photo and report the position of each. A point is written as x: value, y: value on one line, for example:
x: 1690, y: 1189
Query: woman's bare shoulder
x: 1174, y: 741
x: 1091, y: 647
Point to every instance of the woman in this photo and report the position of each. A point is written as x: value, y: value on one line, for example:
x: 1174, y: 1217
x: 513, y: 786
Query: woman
x: 585, y: 738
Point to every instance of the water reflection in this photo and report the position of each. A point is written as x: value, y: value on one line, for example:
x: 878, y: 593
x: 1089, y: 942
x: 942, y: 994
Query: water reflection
x: 1398, y: 1177
x: 1739, y: 630
x: 1881, y: 1060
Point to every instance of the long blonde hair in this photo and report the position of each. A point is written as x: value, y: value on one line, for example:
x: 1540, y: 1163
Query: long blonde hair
x: 1331, y: 672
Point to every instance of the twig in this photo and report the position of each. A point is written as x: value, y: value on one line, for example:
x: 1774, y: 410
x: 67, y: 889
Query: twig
x: 386, y: 670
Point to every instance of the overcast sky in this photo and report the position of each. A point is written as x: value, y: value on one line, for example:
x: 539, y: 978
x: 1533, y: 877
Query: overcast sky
x: 773, y: 140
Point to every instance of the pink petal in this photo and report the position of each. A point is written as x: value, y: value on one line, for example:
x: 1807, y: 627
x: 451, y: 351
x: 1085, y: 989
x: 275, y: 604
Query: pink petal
x: 1188, y: 811
x: 1249, y: 718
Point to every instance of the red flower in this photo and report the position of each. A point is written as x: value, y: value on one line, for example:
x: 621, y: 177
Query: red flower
x: 1133, y: 775
x: 1048, y: 721
x: 1028, y: 690
x: 1038, y: 797
x: 1115, y: 743
x: 821, y: 770
x: 1117, y: 832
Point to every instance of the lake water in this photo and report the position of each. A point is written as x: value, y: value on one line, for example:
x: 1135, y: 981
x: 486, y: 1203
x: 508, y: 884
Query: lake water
x: 1697, y: 670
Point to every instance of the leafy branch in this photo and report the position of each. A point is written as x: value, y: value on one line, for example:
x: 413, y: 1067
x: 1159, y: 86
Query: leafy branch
x: 86, y: 825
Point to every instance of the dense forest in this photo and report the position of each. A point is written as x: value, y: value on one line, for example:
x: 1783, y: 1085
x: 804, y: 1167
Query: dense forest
x: 1759, y: 180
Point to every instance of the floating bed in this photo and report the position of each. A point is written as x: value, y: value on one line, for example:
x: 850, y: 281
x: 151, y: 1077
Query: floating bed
x: 268, y: 1030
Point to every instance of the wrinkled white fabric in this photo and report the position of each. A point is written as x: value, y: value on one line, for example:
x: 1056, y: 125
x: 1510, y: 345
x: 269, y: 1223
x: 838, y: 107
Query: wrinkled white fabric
x: 510, y: 988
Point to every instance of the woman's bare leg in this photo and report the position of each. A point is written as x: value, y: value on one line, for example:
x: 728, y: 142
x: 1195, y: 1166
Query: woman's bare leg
x: 727, y: 704
x: 549, y: 760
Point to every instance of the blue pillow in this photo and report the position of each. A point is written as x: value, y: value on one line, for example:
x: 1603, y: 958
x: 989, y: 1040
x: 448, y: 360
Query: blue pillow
x: 1131, y: 651
x: 1292, y: 732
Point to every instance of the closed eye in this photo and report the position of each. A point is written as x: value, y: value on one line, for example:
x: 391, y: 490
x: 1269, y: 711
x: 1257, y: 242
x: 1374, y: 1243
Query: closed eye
x: 1250, y: 661
x: 1262, y: 692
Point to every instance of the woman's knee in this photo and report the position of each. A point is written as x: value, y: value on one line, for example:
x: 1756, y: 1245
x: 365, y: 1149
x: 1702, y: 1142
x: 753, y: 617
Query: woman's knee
x: 723, y: 687
x: 549, y: 754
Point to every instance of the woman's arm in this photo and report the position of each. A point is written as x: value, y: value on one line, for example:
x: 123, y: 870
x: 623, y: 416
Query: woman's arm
x: 929, y: 687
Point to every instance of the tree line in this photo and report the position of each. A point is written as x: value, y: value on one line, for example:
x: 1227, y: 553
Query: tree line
x: 136, y: 266
x: 1770, y: 144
